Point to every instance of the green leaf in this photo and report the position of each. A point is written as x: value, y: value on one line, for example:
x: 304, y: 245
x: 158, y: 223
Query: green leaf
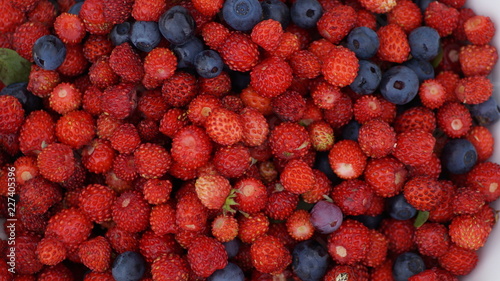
x: 13, y: 67
x: 422, y: 217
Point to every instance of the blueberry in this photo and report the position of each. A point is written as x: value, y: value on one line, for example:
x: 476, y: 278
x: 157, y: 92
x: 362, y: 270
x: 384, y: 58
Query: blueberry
x: 326, y: 217
x: 310, y: 260
x: 487, y: 112
x: 368, y: 78
x: 400, y: 209
x: 242, y: 15
x: 120, y: 33
x: 232, y: 247
x: 208, y: 64
x: 363, y: 41
x: 187, y: 52
x: 399, y: 84
x: 145, y: 35
x: 424, y: 43
x: 276, y: 10
x: 406, y: 265
x: 231, y: 272
x: 239, y: 80
x: 372, y: 222
x: 422, y: 4
x: 177, y: 25
x: 351, y: 130
x: 422, y: 68
x: 128, y: 266
x: 75, y: 9
x: 49, y: 52
x: 323, y: 164
x: 458, y: 156
x: 19, y: 90
x: 306, y: 13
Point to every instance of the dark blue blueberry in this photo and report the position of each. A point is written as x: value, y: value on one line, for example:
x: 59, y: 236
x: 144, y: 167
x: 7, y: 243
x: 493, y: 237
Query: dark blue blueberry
x: 75, y: 9
x: 177, y: 25
x: 372, y: 222
x: 422, y: 4
x: 239, y: 80
x: 187, y: 52
x: 363, y: 41
x: 120, y: 33
x: 368, y: 78
x: 399, y: 84
x: 145, y: 35
x: 310, y: 260
x: 406, y: 265
x: 323, y: 164
x: 400, y: 209
x: 208, y: 64
x: 306, y: 13
x: 422, y: 68
x: 424, y: 43
x: 242, y: 15
x: 351, y: 130
x: 487, y: 112
x: 128, y: 266
x: 231, y: 272
x: 19, y: 90
x: 458, y: 156
x: 232, y: 247
x: 49, y: 52
x: 276, y: 10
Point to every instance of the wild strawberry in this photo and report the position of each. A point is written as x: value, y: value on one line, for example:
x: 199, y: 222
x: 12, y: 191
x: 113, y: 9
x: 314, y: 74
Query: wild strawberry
x: 191, y: 214
x: 449, y: 80
x: 251, y: 195
x: 125, y: 138
x: 74, y: 63
x: 170, y: 267
x: 269, y: 255
x: 96, y: 276
x: 191, y: 147
x: 157, y: 191
x: 26, y: 169
x: 212, y: 191
x: 251, y: 227
x: 179, y: 89
x: 322, y: 187
x: 126, y: 63
x: 75, y: 129
x: 95, y: 201
x: 341, y: 113
x: 92, y: 14
x: 217, y: 86
x: 117, y: 11
x: 465, y: 14
x: 458, y: 260
x: 299, y: 225
x: 479, y: 30
x: 297, y: 177
x: 441, y: 17
x: 39, y: 195
x: 305, y: 64
x: 148, y: 10
x: 254, y: 125
x: 106, y: 125
x: 16, y: 17
x: 406, y: 14
x: 42, y: 82
x: 12, y: 115
x: 485, y: 177
x: 336, y: 23
x: 340, y: 67
x: 119, y: 100
x: 91, y: 101
x: 162, y: 219
x: 26, y: 245
x: 289, y: 106
x: 152, y: 160
x: 477, y: 59
x: 432, y: 239
x: 232, y: 161
x: 251, y: 98
x: 159, y: 65
x: 239, y: 52
x: 376, y: 138
x: 122, y: 241
x: 281, y: 204
x: 427, y: 275
x: 399, y: 233
x: 224, y: 228
x: 267, y: 34
x: 414, y: 147
x: 322, y: 136
x: 377, y: 252
x: 70, y: 226
x: 25, y: 36
x: 271, y: 77
x: 289, y: 44
x: 367, y: 108
x: 64, y: 98
x: 347, y: 159
x: 325, y: 95
x: 366, y: 18
x: 378, y: 6
x: 289, y: 141
x: 422, y: 193
x: 56, y: 162
x: 483, y: 142
x: 152, y: 245
x: 69, y: 28
x: 383, y: 271
x: 50, y: 251
x: 474, y: 89
x: 467, y: 201
x: 96, y: 46
x: 206, y: 255
x: 95, y: 254
x: 454, y: 119
x: 416, y: 118
x: 101, y: 74
x: 224, y: 126
x: 172, y: 121
x: 350, y: 243
x: 214, y: 34
x: 432, y: 93
x: 44, y: 12
x: 394, y: 46
x: 353, y: 197
x: 130, y: 211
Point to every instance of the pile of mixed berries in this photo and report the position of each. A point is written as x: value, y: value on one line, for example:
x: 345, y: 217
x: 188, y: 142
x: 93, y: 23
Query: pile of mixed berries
x: 245, y: 140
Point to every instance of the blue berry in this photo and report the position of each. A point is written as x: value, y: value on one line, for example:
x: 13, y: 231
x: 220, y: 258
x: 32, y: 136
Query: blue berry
x: 422, y: 4
x: 242, y: 15
x: 145, y: 35
x: 351, y: 130
x: 49, y: 52
x: 120, y: 33
x: 400, y: 209
x: 368, y: 78
x: 326, y: 217
x: 19, y: 90
x: 128, y: 266
x: 75, y: 9
x: 232, y: 247
x: 424, y: 43
x: 306, y: 13
x: 458, y: 156
x: 399, y: 84
x: 422, y: 68
x: 310, y: 260
x: 406, y: 265
x: 363, y: 41
x: 177, y: 25
x: 486, y: 113
x: 322, y: 163
x: 208, y: 64
x: 372, y: 222
x: 276, y: 10
x: 231, y: 272
x: 187, y: 52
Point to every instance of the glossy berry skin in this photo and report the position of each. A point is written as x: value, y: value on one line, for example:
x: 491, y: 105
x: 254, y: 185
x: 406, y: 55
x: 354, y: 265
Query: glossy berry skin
x: 187, y: 52
x: 231, y: 272
x: 486, y: 113
x: 276, y: 10
x: 399, y: 85
x: 145, y: 35
x: 368, y: 79
x: 177, y: 25
x: 49, y: 52
x: 128, y: 266
x: 120, y: 33
x: 400, y: 209
x: 424, y: 43
x: 310, y: 260
x: 459, y: 156
x: 406, y: 265
x: 242, y: 15
x: 363, y: 41
x: 208, y: 64
x: 422, y: 68
x: 306, y: 13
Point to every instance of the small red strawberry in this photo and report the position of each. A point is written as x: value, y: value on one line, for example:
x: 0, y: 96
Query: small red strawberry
x: 91, y: 101
x: 432, y: 239
x: 322, y: 135
x: 322, y: 187
x: 239, y: 52
x: 191, y: 147
x: 378, y: 6
x: 152, y: 160
x: 50, y: 251
x: 152, y: 246
x: 394, y: 46
x: 477, y: 59
x: 159, y: 65
x: 341, y: 112
x: 350, y: 243
x: 479, y: 30
x: 162, y: 219
x: 38, y: 195
x: 441, y: 17
x: 26, y: 169
x: 12, y: 114
x: 101, y: 74
x: 157, y: 191
x: 95, y: 254
x: 70, y: 226
x: 347, y: 159
x: 383, y: 271
x: 180, y: 89
x: 251, y: 227
x: 25, y: 36
x: 15, y: 17
x: 399, y: 233
x: 225, y: 228
x: 269, y: 255
x: 125, y: 138
x: 377, y: 252
x: 449, y: 80
x: 454, y: 119
x: 92, y: 14
x: 96, y: 46
x: 426, y: 275
x: 125, y: 62
x: 376, y: 138
x: 75, y: 62
x: 289, y: 44
x: 251, y: 195
x: 465, y: 14
x: 432, y: 93
x: 95, y: 201
x: 232, y: 161
x: 42, y: 82
x: 267, y: 34
x: 170, y: 267
x: 422, y: 193
x: 289, y: 106
x: 76, y: 129
x: 406, y: 14
x: 341, y: 66
x: 467, y: 201
x: 271, y: 77
x: 56, y: 162
x: 207, y: 7
x: 458, y: 260
x: 289, y: 141
x: 69, y: 28
x: 122, y: 241
x: 130, y: 211
x: 206, y: 255
x: 254, y: 125
x: 106, y: 125
x: 483, y: 142
x: 191, y: 214
x: 336, y: 23
x: 299, y: 225
x: 119, y: 101
x: 212, y: 190
x: 148, y: 10
x: 485, y: 177
x: 305, y: 64
x: 44, y: 12
x: 367, y: 108
x: 117, y: 11
x: 414, y: 147
x: 64, y: 98
x: 224, y: 126
x: 416, y: 118
x: 474, y: 89
x: 280, y: 203
x: 297, y: 177
x: 353, y: 197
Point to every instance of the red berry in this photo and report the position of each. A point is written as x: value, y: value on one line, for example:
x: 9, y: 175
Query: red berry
x: 479, y: 30
x: 95, y: 201
x: 239, y: 52
x: 12, y: 114
x: 340, y: 67
x: 336, y: 23
x: 441, y: 17
x: 422, y: 193
x: 271, y: 77
x: 131, y: 211
x: 347, y: 159
x: 349, y: 244
x: 394, y: 46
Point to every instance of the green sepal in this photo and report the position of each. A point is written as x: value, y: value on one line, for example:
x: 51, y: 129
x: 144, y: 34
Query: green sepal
x: 422, y: 217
